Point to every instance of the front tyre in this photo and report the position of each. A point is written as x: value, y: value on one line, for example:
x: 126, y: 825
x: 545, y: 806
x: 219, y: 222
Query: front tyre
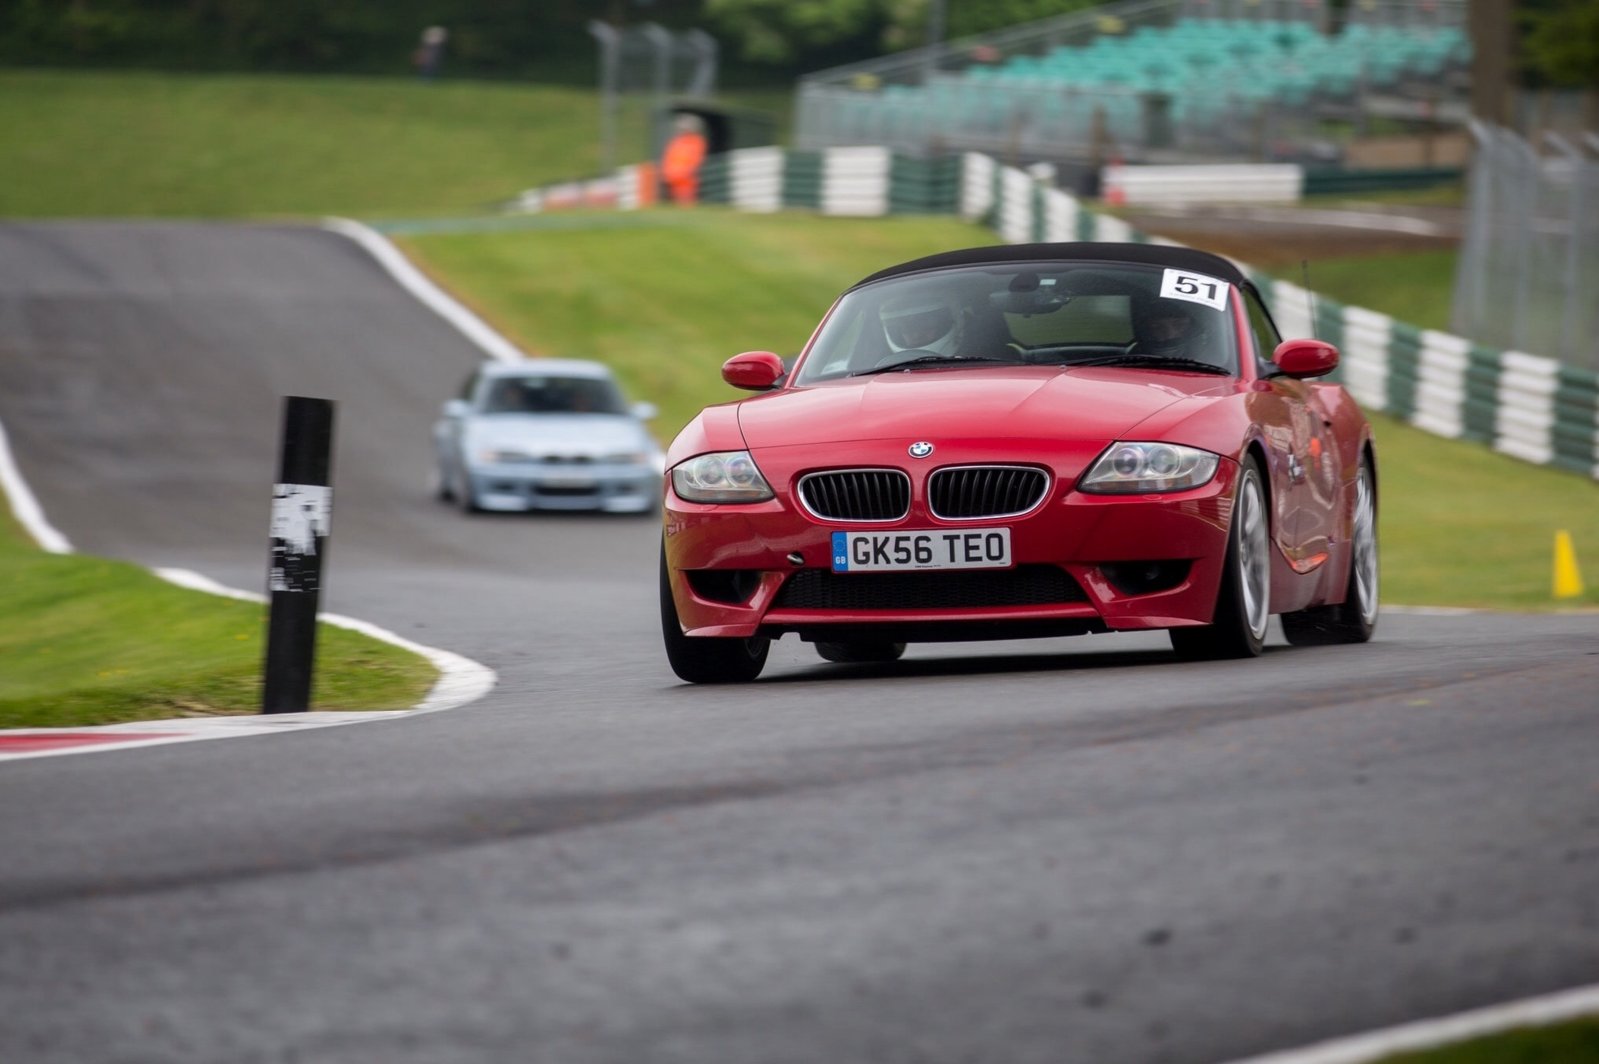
x: 1355, y: 618
x: 1243, y: 603
x: 463, y: 493
x: 700, y: 659
x: 441, y: 483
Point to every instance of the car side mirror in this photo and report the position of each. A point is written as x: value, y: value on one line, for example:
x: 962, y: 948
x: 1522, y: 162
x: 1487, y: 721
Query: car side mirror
x: 457, y: 408
x: 644, y: 411
x: 1302, y: 359
x: 753, y: 370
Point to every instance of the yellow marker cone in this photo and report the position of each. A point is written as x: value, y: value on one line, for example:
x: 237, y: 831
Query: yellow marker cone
x: 1568, y: 580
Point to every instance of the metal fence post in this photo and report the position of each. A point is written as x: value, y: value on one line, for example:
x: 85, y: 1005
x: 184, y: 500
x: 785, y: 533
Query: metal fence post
x: 609, y: 41
x: 1470, y: 282
x: 302, y: 510
x: 660, y: 44
x: 1526, y: 167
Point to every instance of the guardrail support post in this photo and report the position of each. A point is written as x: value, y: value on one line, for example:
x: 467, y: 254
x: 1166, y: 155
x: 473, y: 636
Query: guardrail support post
x: 302, y: 511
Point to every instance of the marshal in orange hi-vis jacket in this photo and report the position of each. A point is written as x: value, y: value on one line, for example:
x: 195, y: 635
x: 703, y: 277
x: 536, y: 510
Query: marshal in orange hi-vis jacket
x: 680, y: 162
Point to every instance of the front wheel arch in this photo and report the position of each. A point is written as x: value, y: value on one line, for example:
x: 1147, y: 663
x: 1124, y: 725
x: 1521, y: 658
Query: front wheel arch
x: 706, y: 659
x: 1354, y: 619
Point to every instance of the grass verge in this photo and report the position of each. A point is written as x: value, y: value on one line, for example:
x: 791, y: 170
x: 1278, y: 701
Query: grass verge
x: 88, y: 640
x: 669, y: 298
x: 235, y: 145
x: 1416, y: 287
x: 1462, y: 525
x: 242, y: 145
x: 666, y: 304
x: 1576, y: 1042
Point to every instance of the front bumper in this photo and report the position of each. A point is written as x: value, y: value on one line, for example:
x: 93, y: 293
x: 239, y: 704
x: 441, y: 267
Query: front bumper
x: 538, y: 486
x: 1131, y: 562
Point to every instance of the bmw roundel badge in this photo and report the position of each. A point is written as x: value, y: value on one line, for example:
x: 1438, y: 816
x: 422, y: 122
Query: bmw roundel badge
x: 921, y: 449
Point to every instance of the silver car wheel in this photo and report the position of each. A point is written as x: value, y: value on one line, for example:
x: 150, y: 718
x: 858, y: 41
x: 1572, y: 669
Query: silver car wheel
x: 1254, y: 561
x: 1365, y: 538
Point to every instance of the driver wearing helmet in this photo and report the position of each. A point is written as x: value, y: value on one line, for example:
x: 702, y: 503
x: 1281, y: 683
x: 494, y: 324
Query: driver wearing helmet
x: 922, y: 321
x: 1168, y: 330
x: 1165, y: 330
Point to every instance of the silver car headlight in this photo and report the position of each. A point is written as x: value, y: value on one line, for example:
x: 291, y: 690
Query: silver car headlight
x: 724, y: 476
x: 500, y: 456
x: 627, y: 458
x: 1134, y: 468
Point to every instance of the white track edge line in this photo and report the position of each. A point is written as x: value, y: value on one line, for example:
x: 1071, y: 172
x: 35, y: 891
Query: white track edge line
x: 1444, y: 1030
x: 25, y: 506
x: 425, y: 290
x: 461, y: 680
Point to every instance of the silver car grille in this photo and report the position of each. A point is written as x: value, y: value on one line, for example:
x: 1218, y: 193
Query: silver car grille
x: 964, y: 492
x: 857, y: 494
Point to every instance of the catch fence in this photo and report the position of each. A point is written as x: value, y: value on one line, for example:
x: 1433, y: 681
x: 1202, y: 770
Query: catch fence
x: 1528, y: 275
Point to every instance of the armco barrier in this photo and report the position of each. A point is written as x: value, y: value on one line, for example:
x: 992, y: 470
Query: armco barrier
x: 1522, y: 405
x: 1219, y: 183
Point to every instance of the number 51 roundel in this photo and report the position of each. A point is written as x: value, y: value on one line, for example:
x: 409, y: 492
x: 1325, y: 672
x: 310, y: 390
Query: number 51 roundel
x: 1194, y: 287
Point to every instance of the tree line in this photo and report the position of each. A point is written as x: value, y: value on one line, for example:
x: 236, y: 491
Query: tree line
x: 544, y: 39
x: 762, y: 40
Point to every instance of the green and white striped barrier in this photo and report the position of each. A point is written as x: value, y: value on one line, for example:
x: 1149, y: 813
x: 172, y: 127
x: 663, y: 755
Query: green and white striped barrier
x: 856, y: 181
x: 865, y: 182
x: 755, y: 179
x: 1522, y: 405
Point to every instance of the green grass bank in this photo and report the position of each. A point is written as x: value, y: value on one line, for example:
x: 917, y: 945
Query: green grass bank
x: 1412, y: 286
x: 666, y: 297
x: 207, y: 146
x: 88, y: 640
x: 1576, y: 1042
x: 1415, y: 287
x: 120, y: 144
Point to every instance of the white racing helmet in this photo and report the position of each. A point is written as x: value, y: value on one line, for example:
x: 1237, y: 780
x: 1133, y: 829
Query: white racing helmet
x: 924, y: 321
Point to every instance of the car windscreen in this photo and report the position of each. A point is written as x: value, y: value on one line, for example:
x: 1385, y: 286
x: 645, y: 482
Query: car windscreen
x: 543, y: 394
x: 1046, y: 313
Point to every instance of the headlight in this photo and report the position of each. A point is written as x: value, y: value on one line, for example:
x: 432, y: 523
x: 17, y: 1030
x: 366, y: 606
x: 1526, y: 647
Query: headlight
x: 1131, y: 468
x: 626, y: 458
x: 727, y: 476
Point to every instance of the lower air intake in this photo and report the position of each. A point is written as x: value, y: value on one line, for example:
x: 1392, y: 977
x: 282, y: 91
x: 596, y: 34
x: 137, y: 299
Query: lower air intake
x: 1025, y: 585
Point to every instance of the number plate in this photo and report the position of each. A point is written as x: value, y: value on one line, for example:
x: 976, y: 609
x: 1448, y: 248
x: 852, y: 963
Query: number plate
x: 941, y: 548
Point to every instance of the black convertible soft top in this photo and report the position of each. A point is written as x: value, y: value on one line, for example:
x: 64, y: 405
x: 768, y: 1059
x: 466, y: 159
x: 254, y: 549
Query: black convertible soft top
x: 1179, y: 258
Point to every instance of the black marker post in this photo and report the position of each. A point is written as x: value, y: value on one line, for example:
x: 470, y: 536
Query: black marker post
x: 302, y: 512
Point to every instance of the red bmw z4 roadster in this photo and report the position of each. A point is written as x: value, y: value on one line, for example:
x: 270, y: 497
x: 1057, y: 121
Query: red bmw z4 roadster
x: 1027, y: 440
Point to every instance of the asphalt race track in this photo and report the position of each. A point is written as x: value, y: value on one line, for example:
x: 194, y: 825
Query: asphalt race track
x: 1069, y: 851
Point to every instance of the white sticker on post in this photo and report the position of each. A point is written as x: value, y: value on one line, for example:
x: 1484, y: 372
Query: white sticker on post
x: 1194, y: 287
x: 301, y: 514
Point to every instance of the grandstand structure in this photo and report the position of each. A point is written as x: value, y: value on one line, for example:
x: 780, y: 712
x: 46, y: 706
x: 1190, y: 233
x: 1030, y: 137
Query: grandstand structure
x: 1158, y: 81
